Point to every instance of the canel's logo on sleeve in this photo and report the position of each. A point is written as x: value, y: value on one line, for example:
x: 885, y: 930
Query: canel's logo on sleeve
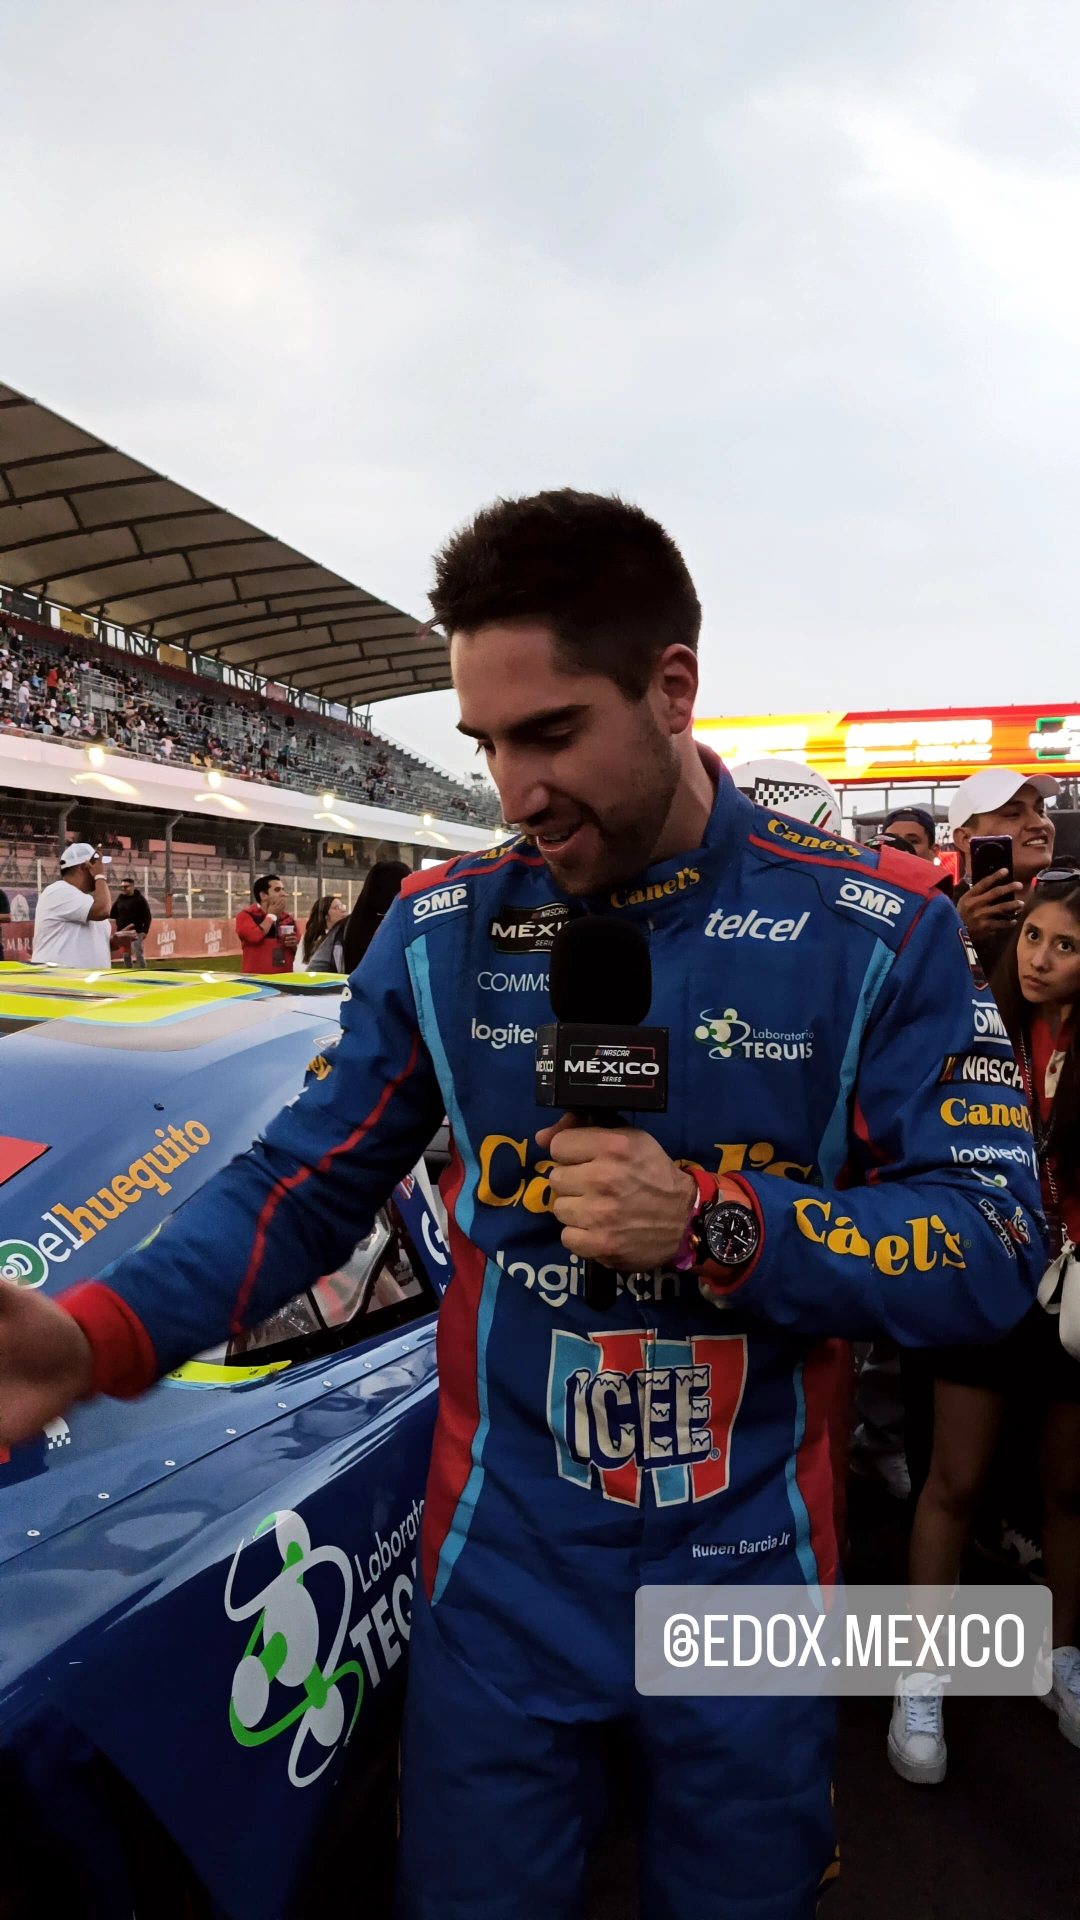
x: 625, y: 1403
x: 877, y: 903
x: 441, y: 901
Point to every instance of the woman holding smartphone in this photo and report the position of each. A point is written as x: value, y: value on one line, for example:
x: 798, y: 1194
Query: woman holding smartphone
x: 1037, y: 987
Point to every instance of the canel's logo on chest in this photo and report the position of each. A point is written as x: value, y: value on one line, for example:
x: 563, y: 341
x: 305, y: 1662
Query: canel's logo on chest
x: 624, y: 1403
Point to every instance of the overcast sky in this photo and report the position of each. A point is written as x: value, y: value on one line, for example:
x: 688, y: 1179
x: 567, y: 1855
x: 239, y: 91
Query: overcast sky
x: 802, y: 279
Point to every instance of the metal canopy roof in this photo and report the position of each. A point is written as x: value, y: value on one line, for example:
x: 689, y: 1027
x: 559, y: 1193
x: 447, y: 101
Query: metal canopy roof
x: 96, y: 531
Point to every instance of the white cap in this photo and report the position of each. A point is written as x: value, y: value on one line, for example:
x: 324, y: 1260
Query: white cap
x: 789, y: 786
x: 77, y: 855
x: 991, y: 787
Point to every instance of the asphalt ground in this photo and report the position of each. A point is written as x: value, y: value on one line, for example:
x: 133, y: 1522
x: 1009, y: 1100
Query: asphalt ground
x: 998, y: 1840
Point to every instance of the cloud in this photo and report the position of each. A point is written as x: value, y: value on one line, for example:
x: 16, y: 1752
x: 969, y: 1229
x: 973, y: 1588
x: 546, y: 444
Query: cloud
x: 800, y: 280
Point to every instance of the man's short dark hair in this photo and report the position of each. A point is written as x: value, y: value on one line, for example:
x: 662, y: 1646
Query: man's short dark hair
x: 263, y: 884
x: 609, y: 580
x: 922, y: 817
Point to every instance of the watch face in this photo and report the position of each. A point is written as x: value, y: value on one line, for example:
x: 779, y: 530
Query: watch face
x: 731, y: 1233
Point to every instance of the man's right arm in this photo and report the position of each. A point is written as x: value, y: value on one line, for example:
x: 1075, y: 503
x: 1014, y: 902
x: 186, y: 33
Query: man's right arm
x: 289, y: 1210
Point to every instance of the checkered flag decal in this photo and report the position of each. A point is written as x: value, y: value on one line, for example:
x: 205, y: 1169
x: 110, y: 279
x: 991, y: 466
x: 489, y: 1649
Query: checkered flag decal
x: 779, y: 795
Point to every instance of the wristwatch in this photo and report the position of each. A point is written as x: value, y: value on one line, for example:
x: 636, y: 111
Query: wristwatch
x: 731, y: 1233
x: 722, y: 1234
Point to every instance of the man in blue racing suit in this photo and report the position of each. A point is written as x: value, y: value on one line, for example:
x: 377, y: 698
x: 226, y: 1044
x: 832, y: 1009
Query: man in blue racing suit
x: 824, y: 1019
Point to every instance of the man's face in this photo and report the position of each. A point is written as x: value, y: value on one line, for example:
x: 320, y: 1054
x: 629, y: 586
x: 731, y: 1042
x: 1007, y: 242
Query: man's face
x: 1024, y: 819
x: 274, y: 897
x: 914, y: 835
x: 587, y: 773
x: 127, y: 886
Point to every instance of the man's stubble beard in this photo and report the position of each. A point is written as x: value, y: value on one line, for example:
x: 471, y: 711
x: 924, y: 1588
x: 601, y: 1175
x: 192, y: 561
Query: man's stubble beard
x: 630, y: 831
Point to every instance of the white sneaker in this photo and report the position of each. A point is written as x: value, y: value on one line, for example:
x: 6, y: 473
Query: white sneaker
x: 916, y: 1735
x: 1064, y: 1695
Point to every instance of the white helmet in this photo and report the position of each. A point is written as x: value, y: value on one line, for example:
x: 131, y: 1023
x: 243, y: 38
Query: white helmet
x: 789, y: 786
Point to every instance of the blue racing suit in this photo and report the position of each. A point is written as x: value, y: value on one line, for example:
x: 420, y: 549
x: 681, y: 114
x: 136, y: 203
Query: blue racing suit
x: 832, y: 1046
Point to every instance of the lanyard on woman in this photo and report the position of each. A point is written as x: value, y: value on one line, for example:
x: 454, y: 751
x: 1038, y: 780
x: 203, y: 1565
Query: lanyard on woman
x: 1043, y: 1133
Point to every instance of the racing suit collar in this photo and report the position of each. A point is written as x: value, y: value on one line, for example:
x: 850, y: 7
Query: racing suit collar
x: 664, y: 885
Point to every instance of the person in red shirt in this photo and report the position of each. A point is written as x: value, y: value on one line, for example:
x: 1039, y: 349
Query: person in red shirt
x: 1037, y: 988
x: 267, y: 930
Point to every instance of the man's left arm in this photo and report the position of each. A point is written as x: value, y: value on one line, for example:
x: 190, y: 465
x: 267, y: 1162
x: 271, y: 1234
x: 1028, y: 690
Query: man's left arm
x: 931, y: 1230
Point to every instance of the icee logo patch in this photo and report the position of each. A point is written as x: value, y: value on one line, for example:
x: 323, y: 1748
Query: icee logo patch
x: 624, y: 1403
x: 283, y: 1652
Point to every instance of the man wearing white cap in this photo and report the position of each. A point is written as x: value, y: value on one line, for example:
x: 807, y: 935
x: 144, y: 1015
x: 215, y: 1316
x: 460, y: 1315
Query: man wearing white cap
x: 1000, y: 800
x: 71, y: 922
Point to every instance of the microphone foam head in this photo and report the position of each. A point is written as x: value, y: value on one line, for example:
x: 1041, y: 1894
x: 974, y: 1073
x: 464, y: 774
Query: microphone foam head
x: 600, y: 972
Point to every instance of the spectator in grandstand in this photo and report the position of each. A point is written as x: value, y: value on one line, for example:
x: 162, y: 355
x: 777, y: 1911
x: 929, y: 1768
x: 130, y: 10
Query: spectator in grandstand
x: 1000, y: 800
x: 131, y: 912
x: 1037, y: 986
x: 71, y: 921
x: 321, y: 948
x: 916, y: 827
x: 380, y: 890
x: 267, y: 930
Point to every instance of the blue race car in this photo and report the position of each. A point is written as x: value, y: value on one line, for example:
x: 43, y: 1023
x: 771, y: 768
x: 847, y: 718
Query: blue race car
x: 205, y: 1593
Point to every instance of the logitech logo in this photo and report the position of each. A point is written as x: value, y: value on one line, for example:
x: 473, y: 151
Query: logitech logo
x: 877, y: 903
x: 500, y: 1037
x: 443, y: 900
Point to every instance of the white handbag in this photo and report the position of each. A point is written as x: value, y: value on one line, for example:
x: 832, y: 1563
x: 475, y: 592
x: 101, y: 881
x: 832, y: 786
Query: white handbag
x: 1059, y: 1294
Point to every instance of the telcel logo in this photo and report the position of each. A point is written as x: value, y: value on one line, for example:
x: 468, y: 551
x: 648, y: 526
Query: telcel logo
x: 876, y: 902
x: 756, y: 926
x: 442, y: 901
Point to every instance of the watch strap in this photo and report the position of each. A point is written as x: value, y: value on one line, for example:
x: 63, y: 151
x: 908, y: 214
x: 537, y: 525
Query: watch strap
x: 722, y: 1281
x: 708, y: 1187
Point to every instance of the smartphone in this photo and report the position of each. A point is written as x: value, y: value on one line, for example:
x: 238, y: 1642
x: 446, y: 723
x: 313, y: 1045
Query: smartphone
x: 989, y: 853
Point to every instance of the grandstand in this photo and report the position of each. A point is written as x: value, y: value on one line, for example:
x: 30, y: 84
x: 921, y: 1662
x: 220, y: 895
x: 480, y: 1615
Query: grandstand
x: 76, y: 690
x: 195, y: 696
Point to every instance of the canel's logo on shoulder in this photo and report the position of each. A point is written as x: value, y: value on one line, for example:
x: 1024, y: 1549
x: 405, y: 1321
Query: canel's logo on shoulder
x: 441, y: 901
x: 877, y: 903
x: 626, y: 1403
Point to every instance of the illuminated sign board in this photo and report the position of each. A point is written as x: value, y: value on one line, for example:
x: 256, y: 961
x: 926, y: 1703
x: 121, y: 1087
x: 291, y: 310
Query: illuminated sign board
x: 882, y: 749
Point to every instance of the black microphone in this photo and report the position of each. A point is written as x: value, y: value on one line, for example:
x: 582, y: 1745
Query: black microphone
x: 598, y: 1058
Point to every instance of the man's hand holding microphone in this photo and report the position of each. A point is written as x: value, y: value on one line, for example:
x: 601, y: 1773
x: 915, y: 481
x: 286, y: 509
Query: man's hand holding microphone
x: 623, y: 1203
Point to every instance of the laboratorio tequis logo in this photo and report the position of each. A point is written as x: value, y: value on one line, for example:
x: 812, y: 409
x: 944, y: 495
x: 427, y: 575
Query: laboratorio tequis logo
x: 726, y: 1036
x: 283, y: 1652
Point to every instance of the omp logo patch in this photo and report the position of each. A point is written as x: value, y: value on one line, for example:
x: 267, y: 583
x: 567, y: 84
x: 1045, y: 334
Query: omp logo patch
x: 877, y: 903
x: 527, y: 929
x: 439, y: 902
x: 625, y: 1403
x: 989, y: 1023
x: 320, y: 1066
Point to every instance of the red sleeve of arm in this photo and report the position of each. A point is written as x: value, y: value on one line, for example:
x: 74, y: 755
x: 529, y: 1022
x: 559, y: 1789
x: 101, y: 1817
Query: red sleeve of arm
x: 125, y: 1363
x: 248, y: 928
